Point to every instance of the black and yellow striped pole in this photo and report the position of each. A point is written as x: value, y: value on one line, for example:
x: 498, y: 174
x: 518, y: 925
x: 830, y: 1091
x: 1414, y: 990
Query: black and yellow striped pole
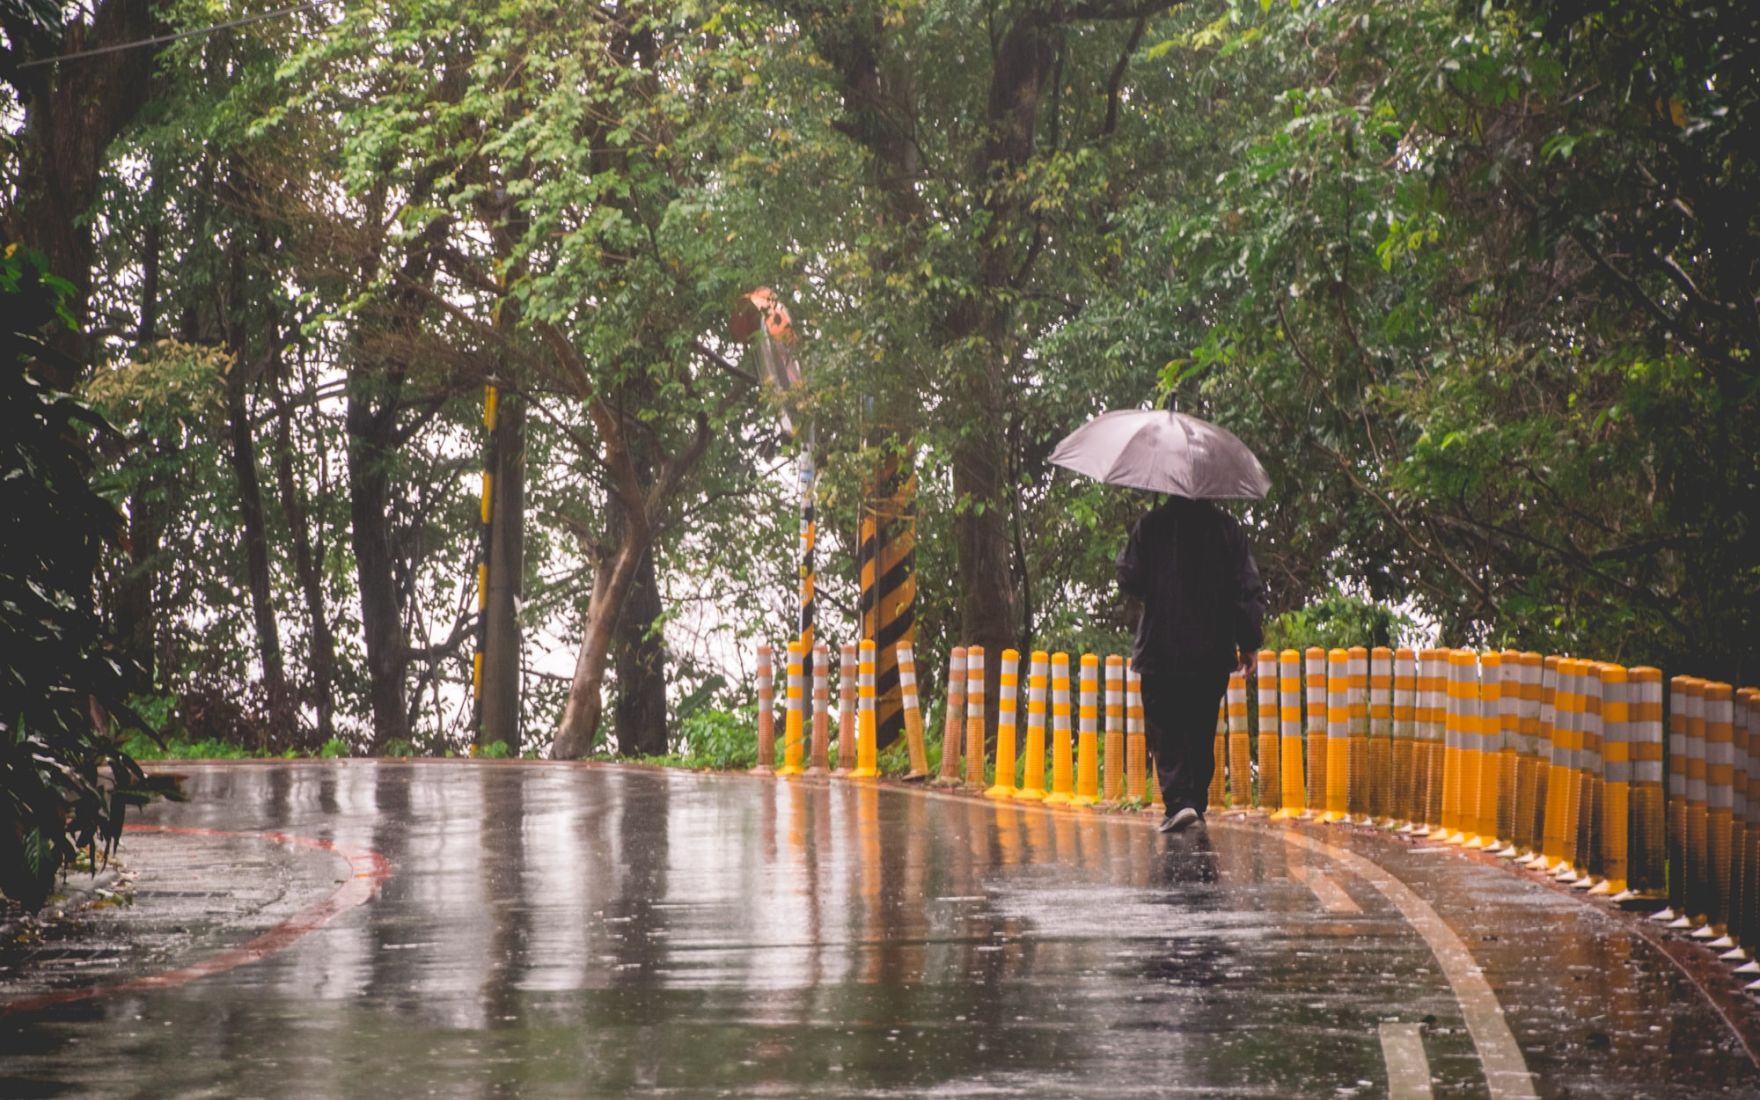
x: 491, y: 456
x: 887, y: 602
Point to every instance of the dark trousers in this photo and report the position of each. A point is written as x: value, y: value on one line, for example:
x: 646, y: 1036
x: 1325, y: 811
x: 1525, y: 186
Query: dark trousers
x: 1179, y: 711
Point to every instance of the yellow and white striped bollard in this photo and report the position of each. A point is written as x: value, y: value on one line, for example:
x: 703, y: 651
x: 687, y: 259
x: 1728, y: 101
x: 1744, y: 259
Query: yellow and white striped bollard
x: 766, y: 712
x: 821, y: 757
x: 1033, y: 767
x: 1490, y: 729
x: 846, y: 711
x: 1270, y: 749
x: 1338, y: 732
x: 1616, y: 797
x: 793, y: 736
x: 1007, y: 708
x: 1063, y: 752
x: 1357, y: 663
x: 1240, y: 745
x: 1698, y: 808
x: 1289, y: 742
x: 1589, y: 868
x: 1719, y: 806
x: 1508, y: 718
x: 1315, y: 662
x: 976, y: 718
x: 1528, y: 788
x: 953, y: 723
x: 1748, y: 930
x: 867, y: 731
x: 1112, y: 790
x: 1648, y: 849
x: 1136, y: 750
x: 1381, y: 736
x: 1404, y: 778
x: 1432, y: 726
x: 1546, y: 742
x: 913, y: 714
x: 1088, y: 735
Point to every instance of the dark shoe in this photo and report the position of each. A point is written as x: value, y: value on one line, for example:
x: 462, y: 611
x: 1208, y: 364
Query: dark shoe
x: 1175, y: 822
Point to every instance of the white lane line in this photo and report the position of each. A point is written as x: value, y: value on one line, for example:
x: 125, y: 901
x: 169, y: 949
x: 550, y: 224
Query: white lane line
x: 1332, y: 896
x: 1506, y: 1071
x: 1408, y: 1070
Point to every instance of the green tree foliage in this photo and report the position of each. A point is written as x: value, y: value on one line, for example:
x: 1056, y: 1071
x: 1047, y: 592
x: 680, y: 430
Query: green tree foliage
x: 65, y: 781
x: 1470, y: 282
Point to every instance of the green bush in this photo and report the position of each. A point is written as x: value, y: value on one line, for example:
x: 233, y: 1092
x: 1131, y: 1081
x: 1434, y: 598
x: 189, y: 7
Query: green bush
x: 66, y: 779
x: 721, y: 739
x: 1339, y: 621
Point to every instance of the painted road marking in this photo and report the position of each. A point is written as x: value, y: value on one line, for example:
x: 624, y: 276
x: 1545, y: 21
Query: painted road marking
x: 1408, y: 1069
x: 368, y: 872
x: 1506, y: 1071
x: 1332, y: 896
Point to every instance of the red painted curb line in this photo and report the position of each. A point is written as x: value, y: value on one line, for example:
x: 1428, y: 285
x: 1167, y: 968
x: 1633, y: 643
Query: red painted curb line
x: 368, y: 872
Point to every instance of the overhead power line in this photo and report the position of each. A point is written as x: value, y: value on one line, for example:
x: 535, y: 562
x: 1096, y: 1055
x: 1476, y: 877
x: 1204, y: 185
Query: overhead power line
x: 160, y: 40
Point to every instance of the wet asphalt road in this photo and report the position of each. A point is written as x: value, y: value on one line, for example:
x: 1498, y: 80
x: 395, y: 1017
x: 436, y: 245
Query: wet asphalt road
x: 593, y: 931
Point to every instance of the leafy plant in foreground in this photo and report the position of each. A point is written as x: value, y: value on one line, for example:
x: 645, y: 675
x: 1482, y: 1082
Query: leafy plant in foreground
x: 65, y: 779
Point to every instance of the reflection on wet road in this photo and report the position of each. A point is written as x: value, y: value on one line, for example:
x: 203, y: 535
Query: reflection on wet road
x: 571, y: 931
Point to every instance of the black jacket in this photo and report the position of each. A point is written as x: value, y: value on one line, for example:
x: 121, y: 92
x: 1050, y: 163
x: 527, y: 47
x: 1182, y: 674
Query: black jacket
x: 1188, y: 562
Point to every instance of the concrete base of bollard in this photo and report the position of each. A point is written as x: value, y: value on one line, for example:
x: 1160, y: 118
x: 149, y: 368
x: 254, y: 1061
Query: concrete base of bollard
x: 1663, y: 916
x: 1705, y: 932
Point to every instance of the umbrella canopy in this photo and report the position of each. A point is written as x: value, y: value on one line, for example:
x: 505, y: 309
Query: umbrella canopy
x: 1164, y: 452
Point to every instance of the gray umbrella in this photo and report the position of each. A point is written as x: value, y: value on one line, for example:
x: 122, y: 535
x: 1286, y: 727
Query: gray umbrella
x: 1165, y: 452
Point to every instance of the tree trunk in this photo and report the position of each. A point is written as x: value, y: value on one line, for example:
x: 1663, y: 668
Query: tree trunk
x: 307, y: 560
x: 370, y: 451
x: 71, y: 114
x: 242, y: 456
x: 639, y: 714
x: 502, y: 648
x: 136, y: 620
x: 611, y: 584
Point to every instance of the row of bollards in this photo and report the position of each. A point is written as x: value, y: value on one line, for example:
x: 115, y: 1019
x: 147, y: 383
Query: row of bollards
x: 1555, y: 762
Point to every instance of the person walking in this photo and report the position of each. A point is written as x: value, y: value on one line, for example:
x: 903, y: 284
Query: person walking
x: 1203, y: 608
